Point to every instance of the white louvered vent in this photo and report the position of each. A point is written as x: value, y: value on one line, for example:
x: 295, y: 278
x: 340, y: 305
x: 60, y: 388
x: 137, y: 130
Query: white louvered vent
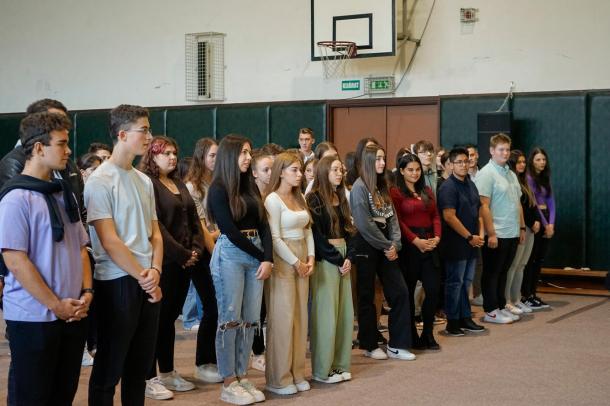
x: 205, y: 66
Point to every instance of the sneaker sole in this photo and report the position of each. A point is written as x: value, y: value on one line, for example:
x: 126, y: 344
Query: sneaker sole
x: 238, y: 401
x: 179, y: 389
x: 376, y: 358
x: 158, y: 397
x: 454, y: 334
x: 315, y: 378
x: 473, y: 331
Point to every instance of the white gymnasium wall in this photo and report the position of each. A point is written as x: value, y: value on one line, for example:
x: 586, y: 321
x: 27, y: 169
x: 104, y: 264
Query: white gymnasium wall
x: 97, y: 54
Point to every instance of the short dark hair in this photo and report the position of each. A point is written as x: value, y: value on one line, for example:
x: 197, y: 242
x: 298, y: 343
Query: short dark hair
x: 37, y: 127
x: 124, y: 115
x: 40, y: 106
x: 468, y: 146
x: 306, y: 130
x: 455, y: 152
x: 96, y: 146
x: 86, y: 161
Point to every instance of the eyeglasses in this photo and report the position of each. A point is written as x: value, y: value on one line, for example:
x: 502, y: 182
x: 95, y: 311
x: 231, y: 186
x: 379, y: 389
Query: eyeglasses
x: 425, y: 152
x: 141, y: 130
x: 460, y: 162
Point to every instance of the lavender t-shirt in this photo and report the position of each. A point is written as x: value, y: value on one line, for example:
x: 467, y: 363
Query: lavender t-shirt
x: 25, y: 225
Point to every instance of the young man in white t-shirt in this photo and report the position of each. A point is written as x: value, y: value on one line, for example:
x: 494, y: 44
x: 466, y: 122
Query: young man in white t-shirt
x: 128, y: 251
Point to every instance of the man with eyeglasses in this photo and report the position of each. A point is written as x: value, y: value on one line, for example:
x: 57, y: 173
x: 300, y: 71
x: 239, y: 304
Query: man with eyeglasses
x: 459, y: 203
x: 128, y: 251
x: 425, y: 153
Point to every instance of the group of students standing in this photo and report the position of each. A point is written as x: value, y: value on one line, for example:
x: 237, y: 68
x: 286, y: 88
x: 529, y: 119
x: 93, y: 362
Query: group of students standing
x: 239, y: 226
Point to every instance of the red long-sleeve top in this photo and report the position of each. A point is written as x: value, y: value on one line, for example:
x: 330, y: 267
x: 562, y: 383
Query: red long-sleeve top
x: 412, y: 212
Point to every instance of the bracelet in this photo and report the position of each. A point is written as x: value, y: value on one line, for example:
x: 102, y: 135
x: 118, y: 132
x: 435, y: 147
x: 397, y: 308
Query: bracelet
x: 156, y: 269
x: 522, y: 229
x: 87, y: 290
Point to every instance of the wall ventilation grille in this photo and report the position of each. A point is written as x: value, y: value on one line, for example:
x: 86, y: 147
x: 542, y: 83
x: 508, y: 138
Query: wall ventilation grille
x: 205, y: 66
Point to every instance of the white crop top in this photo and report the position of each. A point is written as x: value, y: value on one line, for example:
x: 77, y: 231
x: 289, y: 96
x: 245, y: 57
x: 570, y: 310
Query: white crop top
x: 289, y: 224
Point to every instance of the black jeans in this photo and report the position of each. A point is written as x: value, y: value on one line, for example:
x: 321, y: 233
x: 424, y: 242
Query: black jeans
x: 206, y: 335
x: 45, y: 362
x: 371, y: 262
x: 127, y: 333
x: 422, y: 266
x: 531, y: 273
x: 496, y: 263
x: 174, y: 284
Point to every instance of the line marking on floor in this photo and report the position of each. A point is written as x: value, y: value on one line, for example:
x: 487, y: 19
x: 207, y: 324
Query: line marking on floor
x: 578, y: 311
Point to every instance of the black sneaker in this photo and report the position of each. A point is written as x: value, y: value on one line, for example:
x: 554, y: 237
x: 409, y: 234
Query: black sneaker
x: 430, y: 342
x: 468, y: 325
x: 532, y: 303
x: 453, y: 329
x: 541, y: 303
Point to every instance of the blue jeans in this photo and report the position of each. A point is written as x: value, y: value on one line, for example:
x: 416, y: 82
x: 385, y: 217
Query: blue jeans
x: 239, y: 295
x: 192, y: 311
x: 457, y: 283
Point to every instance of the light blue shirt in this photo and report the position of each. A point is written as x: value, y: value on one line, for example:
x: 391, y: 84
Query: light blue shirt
x: 501, y: 186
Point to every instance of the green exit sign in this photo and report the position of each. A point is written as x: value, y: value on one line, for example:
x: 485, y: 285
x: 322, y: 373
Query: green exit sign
x: 380, y: 84
x: 347, y: 85
x: 383, y: 84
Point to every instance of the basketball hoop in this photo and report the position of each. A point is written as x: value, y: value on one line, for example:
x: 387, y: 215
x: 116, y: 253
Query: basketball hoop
x: 335, y: 56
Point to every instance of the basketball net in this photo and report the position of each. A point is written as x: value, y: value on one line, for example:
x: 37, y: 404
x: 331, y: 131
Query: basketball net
x: 335, y: 56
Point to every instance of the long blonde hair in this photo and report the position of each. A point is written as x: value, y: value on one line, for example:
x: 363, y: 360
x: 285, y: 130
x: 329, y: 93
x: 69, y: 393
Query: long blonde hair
x: 281, y: 162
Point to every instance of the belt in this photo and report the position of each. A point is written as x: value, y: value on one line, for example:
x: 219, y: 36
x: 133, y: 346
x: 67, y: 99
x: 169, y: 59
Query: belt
x: 252, y: 233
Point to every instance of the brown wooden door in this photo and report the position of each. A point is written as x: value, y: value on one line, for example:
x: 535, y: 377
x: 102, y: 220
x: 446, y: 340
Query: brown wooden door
x: 394, y: 126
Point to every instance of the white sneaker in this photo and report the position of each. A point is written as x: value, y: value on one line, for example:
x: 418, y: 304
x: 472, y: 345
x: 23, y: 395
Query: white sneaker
x: 513, y: 309
x: 156, y: 390
x: 258, y: 362
x: 87, y: 359
x: 347, y: 376
x: 207, y: 373
x: 302, y: 386
x: 251, y: 389
x: 478, y: 301
x: 524, y: 308
x: 286, y: 390
x: 398, y: 353
x: 377, y: 354
x: 332, y: 378
x: 175, y: 382
x: 236, y: 394
x: 496, y: 316
x: 509, y: 314
x: 194, y: 327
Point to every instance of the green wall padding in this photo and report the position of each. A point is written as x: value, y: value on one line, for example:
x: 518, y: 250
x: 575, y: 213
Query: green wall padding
x: 250, y: 121
x: 558, y: 124
x: 286, y: 120
x: 188, y: 125
x: 157, y: 121
x: 9, y: 132
x: 90, y: 126
x: 459, y: 118
x: 598, y: 243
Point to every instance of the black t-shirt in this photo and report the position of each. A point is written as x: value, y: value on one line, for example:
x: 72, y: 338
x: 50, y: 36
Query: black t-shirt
x: 462, y: 196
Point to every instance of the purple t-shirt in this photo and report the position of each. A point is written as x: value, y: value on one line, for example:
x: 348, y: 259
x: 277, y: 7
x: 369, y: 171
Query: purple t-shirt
x: 25, y: 225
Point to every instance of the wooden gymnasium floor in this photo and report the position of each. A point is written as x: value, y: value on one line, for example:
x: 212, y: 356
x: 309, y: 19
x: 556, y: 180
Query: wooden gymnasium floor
x: 556, y: 357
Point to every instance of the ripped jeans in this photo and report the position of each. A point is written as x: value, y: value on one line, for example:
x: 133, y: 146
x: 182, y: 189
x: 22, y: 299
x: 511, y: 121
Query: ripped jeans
x: 239, y: 295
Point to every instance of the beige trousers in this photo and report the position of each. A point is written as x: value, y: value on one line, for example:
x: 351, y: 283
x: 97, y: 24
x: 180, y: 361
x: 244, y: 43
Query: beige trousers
x: 286, y: 300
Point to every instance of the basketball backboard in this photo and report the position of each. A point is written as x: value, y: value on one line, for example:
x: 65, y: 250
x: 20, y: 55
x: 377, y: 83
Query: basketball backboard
x: 371, y: 24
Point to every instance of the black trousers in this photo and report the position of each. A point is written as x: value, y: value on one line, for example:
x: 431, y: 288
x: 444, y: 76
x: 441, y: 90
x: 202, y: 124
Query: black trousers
x: 417, y: 265
x: 174, y: 284
x: 206, y: 335
x: 45, y: 362
x: 371, y: 262
x: 258, y: 345
x: 531, y: 273
x: 127, y: 333
x: 496, y: 263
